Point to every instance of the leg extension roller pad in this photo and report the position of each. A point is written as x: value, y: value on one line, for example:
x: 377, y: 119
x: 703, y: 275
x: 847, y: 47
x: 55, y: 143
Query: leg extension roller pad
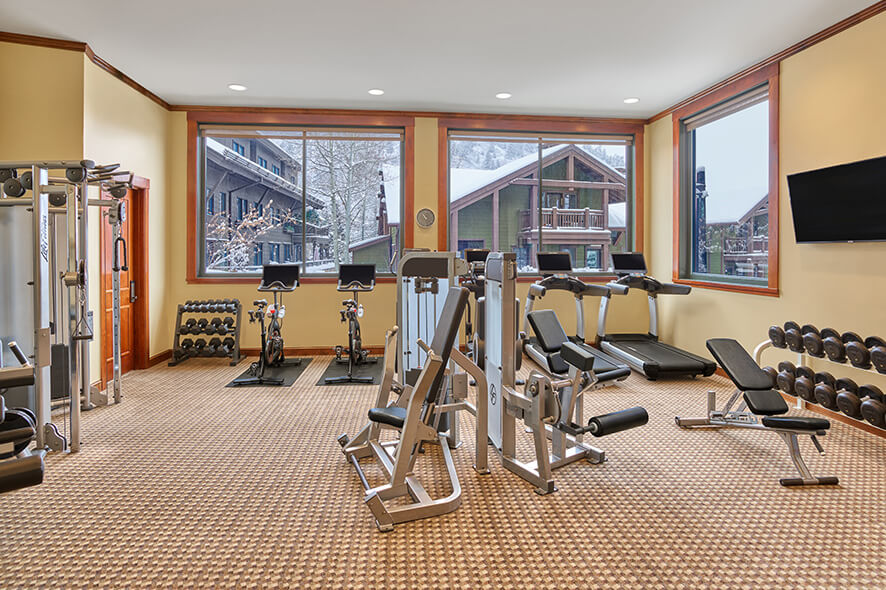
x: 618, y: 421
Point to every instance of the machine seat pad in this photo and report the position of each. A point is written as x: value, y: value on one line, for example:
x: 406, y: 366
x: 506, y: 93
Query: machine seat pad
x: 765, y: 403
x: 392, y: 416
x: 739, y: 365
x: 578, y: 357
x: 548, y: 330
x: 796, y: 423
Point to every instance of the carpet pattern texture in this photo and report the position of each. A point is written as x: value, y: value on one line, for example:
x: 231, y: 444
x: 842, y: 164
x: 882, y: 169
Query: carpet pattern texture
x: 188, y: 484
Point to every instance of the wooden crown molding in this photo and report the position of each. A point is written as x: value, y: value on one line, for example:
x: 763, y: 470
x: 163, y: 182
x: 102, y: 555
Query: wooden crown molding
x: 93, y: 57
x: 846, y: 23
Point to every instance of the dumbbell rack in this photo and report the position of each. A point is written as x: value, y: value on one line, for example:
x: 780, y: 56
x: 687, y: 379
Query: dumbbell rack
x: 188, y: 311
x: 803, y: 359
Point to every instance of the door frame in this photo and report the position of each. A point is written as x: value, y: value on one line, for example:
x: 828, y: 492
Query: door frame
x: 137, y: 250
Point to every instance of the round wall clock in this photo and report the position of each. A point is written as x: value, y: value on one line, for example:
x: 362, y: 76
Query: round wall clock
x: 425, y: 218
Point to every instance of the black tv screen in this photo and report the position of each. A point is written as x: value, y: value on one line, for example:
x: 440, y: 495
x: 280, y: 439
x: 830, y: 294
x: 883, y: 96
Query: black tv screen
x: 845, y: 203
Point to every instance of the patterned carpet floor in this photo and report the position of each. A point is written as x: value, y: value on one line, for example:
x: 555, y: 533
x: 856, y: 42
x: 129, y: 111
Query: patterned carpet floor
x: 188, y: 484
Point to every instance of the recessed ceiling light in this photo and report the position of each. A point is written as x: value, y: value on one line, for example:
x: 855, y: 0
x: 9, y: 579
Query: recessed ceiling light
x: 503, y: 95
x: 632, y: 100
x: 237, y: 87
x: 376, y: 91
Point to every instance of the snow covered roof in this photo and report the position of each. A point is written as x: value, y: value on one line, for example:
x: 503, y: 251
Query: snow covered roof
x: 729, y: 205
x: 366, y: 242
x: 617, y: 215
x: 464, y: 181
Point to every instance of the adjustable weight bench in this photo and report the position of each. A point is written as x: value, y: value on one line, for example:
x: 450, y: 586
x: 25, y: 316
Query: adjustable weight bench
x: 551, y: 337
x: 761, y: 409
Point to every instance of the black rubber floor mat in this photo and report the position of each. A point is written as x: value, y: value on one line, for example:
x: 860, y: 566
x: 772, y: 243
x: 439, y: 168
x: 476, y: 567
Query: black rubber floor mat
x: 373, y: 370
x: 289, y: 371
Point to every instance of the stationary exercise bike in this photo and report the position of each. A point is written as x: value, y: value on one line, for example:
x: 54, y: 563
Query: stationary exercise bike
x: 277, y: 279
x: 355, y: 278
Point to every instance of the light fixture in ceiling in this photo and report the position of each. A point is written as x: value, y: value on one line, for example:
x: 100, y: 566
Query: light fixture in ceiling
x: 632, y: 100
x: 503, y: 95
x: 376, y: 91
x: 236, y: 87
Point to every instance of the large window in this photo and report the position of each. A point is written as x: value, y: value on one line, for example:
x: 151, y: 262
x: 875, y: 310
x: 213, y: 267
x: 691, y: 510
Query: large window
x: 272, y: 194
x: 525, y: 193
x: 727, y: 190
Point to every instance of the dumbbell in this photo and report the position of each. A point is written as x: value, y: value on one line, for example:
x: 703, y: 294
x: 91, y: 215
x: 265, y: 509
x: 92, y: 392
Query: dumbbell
x: 850, y: 402
x: 227, y: 345
x: 874, y: 411
x: 813, y: 340
x: 226, y: 326
x: 200, y: 345
x: 213, y: 346
x: 804, y: 384
x: 228, y: 306
x: 201, y: 326
x: 826, y: 394
x: 859, y: 353
x: 211, y: 306
x: 188, y: 327
x: 214, y: 326
x: 856, y: 351
x: 187, y: 346
x: 793, y: 337
x: 833, y: 345
x: 878, y: 357
x: 773, y: 375
x: 776, y: 337
x: 788, y: 374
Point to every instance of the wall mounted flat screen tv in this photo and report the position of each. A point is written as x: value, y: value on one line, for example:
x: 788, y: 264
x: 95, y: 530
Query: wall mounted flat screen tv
x: 845, y: 203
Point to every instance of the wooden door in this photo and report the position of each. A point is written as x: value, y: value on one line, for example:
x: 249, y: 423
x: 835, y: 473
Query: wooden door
x: 126, y: 304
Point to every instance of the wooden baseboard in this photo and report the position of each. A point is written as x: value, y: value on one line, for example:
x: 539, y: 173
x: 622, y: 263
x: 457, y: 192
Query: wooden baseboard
x: 160, y: 357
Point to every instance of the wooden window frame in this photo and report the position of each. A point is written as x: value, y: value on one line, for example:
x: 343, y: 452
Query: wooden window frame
x: 768, y: 74
x: 540, y: 124
x: 295, y: 117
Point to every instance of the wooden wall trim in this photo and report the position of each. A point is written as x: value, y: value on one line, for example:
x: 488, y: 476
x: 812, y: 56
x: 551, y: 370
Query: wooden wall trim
x: 92, y: 55
x: 846, y: 23
x: 42, y: 41
x: 767, y: 75
x: 443, y: 188
x: 160, y: 357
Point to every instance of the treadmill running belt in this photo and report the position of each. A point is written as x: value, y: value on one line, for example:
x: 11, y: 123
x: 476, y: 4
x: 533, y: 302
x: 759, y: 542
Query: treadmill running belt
x: 667, y: 359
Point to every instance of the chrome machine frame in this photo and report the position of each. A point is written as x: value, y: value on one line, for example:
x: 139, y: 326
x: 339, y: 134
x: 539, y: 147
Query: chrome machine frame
x: 65, y: 302
x: 547, y: 407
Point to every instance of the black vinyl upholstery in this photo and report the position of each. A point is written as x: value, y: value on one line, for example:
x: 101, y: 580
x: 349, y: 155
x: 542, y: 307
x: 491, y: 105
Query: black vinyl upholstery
x: 577, y: 356
x: 765, y: 403
x: 547, y: 328
x: 739, y: 365
x: 445, y: 334
x: 392, y: 416
x: 796, y: 423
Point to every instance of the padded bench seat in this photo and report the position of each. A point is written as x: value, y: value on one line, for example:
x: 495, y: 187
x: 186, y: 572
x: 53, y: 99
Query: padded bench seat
x: 550, y: 338
x: 392, y: 416
x: 796, y: 423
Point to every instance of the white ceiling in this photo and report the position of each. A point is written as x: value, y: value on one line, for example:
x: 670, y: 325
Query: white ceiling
x: 557, y: 57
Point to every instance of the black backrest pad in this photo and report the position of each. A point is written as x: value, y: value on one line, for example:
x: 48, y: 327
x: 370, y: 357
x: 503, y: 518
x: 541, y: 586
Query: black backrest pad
x: 446, y: 332
x: 739, y: 365
x: 547, y: 329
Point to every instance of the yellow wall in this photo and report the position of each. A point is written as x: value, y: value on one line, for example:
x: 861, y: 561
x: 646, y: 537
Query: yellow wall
x: 42, y: 103
x: 831, y: 112
x: 122, y: 125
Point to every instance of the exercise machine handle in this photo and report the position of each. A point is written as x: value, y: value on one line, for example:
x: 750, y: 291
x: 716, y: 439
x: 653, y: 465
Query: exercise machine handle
x: 19, y: 353
x: 117, y: 267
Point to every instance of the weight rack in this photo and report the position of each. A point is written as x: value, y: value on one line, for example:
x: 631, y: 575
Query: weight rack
x: 208, y: 309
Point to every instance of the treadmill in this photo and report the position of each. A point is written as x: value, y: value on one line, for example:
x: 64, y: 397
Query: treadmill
x: 556, y: 271
x: 644, y: 352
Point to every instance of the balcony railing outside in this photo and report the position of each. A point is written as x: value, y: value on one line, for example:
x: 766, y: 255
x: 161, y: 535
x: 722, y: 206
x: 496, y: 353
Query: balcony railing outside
x: 553, y: 218
x: 754, y: 245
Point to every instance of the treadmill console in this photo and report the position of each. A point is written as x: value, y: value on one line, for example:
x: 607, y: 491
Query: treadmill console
x: 628, y: 263
x: 554, y: 263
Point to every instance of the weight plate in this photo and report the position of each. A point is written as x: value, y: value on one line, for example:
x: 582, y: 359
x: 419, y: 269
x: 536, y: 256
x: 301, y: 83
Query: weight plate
x: 805, y: 388
x: 826, y: 396
x: 794, y: 340
x: 849, y: 404
x: 851, y: 337
x: 871, y: 391
x: 878, y: 358
x: 834, y: 348
x: 787, y: 367
x: 874, y: 412
x: 776, y: 337
x: 791, y: 326
x: 825, y: 377
x: 829, y: 333
x: 846, y: 384
x: 814, y: 345
x: 858, y: 355
x: 809, y: 329
x: 804, y: 371
x: 872, y: 341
